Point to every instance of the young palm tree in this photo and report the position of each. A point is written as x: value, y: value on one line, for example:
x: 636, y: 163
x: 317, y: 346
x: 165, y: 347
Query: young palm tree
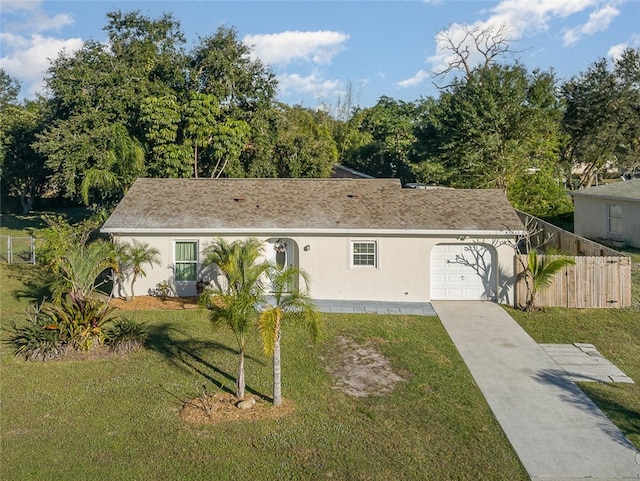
x: 234, y: 302
x: 135, y: 256
x: 81, y: 265
x: 541, y: 272
x: 290, y: 306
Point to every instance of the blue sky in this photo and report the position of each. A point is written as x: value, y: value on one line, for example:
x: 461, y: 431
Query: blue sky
x: 318, y: 48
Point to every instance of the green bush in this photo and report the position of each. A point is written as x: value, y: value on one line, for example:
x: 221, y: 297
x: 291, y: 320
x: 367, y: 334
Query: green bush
x: 78, y: 319
x: 36, y: 340
x: 74, y: 322
x: 125, y: 335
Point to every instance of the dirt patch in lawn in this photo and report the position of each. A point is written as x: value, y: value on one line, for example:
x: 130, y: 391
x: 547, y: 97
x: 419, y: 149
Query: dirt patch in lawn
x: 222, y: 407
x: 362, y: 370
x: 146, y: 303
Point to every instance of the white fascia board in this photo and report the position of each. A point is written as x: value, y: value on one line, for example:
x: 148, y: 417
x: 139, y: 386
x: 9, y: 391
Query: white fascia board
x: 604, y: 197
x: 345, y: 232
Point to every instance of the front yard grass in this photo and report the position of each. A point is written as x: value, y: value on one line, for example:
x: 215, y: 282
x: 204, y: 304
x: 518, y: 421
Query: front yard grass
x: 117, y: 418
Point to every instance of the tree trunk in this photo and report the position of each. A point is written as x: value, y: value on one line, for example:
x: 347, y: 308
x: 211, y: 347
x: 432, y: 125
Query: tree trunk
x: 277, y: 372
x: 240, y: 379
x: 26, y: 201
x: 133, y: 280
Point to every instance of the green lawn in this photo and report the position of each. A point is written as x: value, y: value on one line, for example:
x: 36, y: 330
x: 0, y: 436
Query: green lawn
x: 117, y: 418
x: 616, y: 334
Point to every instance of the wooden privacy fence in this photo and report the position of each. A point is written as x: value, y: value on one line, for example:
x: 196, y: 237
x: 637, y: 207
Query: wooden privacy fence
x: 592, y: 282
x: 553, y: 237
x: 601, y: 276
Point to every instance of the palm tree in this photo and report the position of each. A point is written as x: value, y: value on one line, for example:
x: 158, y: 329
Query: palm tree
x: 288, y: 305
x: 82, y: 264
x: 234, y: 302
x: 540, y: 273
x: 121, y: 165
x: 135, y: 256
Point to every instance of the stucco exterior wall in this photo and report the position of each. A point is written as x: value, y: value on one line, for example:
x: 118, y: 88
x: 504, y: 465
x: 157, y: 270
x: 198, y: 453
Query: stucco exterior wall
x: 401, y: 273
x: 591, y: 219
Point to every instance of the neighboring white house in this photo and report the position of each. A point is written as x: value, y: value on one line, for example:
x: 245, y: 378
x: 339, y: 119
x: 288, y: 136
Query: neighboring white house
x: 609, y: 212
x: 358, y: 239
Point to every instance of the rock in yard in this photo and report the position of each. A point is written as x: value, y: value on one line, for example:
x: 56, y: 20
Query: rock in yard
x: 246, y: 404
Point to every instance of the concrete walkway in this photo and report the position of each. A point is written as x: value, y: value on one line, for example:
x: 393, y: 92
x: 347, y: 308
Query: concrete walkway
x: 375, y: 307
x: 556, y: 430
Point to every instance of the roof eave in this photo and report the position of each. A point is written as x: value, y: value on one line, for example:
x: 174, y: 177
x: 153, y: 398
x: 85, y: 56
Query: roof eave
x: 293, y: 231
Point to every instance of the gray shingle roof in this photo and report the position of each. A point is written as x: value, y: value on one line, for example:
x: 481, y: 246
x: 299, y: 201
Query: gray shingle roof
x: 306, y: 204
x: 627, y: 190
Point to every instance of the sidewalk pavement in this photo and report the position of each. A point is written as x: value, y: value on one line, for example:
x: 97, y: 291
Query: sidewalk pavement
x: 556, y: 430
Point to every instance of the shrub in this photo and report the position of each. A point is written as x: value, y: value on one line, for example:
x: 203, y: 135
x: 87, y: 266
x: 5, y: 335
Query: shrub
x: 73, y: 322
x: 162, y: 290
x: 36, y: 340
x: 78, y: 319
x: 125, y: 335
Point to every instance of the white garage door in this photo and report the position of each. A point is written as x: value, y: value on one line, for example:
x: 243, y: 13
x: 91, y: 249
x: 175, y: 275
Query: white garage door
x: 461, y: 272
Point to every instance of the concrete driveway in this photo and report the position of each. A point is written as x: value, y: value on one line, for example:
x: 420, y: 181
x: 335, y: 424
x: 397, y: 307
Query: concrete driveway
x: 556, y: 430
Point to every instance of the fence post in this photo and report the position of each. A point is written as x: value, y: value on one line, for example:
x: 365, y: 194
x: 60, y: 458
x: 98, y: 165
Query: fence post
x: 33, y: 250
x: 9, y: 249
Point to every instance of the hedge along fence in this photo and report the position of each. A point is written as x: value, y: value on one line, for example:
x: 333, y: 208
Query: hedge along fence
x: 600, y: 278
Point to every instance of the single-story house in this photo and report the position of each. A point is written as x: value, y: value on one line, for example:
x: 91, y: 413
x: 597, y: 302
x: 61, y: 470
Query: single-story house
x: 609, y: 213
x: 358, y: 239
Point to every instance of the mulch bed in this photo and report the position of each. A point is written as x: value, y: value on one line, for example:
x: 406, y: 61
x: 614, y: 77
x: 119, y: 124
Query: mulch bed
x: 146, y: 303
x: 221, y: 408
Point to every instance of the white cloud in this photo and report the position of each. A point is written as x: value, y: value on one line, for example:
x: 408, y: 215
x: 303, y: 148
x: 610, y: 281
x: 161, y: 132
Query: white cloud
x: 29, y: 58
x: 26, y: 51
x: 598, y: 22
x: 518, y: 18
x: 417, y: 79
x: 615, y: 52
x: 313, y: 85
x: 282, y: 48
x: 14, y: 5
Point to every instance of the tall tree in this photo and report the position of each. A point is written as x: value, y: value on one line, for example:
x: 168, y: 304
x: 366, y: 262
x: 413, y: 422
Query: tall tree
x: 303, y: 147
x: 384, y: 148
x: 105, y: 84
x: 221, y: 65
x: 493, y: 131
x: 602, y: 117
x: 472, y: 47
x: 23, y: 169
x: 162, y: 118
x: 123, y: 163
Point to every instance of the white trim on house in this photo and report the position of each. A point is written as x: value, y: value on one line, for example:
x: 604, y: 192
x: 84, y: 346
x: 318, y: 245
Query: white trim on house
x: 374, y: 254
x: 350, y: 232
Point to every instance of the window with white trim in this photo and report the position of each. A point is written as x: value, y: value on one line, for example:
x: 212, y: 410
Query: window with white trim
x: 186, y: 261
x: 614, y: 221
x: 364, y: 253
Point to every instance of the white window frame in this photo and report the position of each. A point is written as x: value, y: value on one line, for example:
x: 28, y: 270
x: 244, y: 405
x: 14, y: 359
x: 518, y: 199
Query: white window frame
x: 196, y: 262
x: 352, y: 253
x: 614, y: 218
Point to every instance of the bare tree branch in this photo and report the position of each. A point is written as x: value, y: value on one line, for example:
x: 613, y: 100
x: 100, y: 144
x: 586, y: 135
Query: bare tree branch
x: 478, y: 46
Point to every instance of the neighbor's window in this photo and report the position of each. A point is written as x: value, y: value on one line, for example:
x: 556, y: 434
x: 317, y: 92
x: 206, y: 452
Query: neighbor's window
x: 615, y: 219
x: 364, y: 253
x: 186, y: 265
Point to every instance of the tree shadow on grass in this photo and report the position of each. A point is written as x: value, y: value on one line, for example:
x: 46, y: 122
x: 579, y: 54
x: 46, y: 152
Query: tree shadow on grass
x: 627, y: 417
x: 572, y: 393
x: 34, y: 279
x: 187, y: 354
